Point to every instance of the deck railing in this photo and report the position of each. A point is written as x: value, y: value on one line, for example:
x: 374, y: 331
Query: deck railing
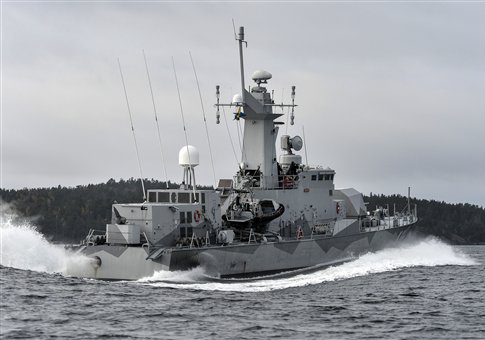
x: 284, y: 182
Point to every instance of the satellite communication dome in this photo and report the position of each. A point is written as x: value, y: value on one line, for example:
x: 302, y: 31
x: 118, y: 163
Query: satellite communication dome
x: 237, y: 99
x: 189, y: 156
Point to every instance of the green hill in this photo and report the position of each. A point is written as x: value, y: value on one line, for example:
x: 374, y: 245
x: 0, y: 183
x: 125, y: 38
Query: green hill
x: 66, y: 214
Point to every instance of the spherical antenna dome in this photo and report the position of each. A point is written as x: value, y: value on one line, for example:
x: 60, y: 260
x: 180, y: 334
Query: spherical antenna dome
x: 237, y: 99
x: 188, y: 156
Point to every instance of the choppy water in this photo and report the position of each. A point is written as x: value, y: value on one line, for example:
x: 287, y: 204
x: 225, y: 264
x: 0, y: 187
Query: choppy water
x: 426, y: 289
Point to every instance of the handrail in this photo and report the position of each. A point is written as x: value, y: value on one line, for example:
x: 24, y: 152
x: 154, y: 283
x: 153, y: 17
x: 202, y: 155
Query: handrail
x: 285, y: 182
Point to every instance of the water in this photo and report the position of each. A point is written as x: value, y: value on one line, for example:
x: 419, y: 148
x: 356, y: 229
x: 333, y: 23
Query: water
x: 426, y: 289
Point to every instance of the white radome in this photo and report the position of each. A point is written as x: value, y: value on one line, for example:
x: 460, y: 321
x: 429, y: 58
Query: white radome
x: 261, y: 75
x: 188, y: 156
x: 237, y: 99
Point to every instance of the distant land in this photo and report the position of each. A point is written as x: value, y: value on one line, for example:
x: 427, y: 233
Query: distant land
x: 66, y: 214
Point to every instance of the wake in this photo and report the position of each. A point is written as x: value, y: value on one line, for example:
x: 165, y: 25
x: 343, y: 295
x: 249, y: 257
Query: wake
x: 429, y: 252
x: 22, y: 246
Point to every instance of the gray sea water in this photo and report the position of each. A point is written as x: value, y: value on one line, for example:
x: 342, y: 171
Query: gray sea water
x: 426, y: 289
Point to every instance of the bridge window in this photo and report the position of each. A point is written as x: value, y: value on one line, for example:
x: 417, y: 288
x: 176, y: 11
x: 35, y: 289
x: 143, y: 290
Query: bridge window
x: 320, y: 177
x: 152, y: 197
x: 330, y: 192
x: 182, y: 217
x: 203, y: 198
x: 189, y: 216
x: 163, y: 197
x: 174, y: 197
x: 184, y: 197
x: 314, y: 177
x: 327, y: 177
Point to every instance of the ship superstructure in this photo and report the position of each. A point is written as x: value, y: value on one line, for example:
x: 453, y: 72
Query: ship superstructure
x: 276, y: 214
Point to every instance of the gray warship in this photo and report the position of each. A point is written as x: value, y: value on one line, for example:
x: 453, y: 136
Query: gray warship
x: 275, y: 215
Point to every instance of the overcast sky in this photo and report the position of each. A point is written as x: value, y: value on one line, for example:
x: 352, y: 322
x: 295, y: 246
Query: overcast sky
x: 391, y: 95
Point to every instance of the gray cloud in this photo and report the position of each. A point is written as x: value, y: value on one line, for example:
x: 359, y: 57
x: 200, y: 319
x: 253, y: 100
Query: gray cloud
x: 390, y: 95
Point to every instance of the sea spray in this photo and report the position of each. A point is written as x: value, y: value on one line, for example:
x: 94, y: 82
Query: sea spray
x: 186, y: 276
x: 22, y: 246
x: 429, y: 252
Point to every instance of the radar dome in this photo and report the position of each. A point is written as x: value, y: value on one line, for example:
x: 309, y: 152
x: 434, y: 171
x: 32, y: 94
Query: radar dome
x: 261, y: 76
x: 189, y: 156
x: 237, y: 99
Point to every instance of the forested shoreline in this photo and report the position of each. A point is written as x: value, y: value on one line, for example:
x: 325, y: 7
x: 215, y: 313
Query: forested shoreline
x: 66, y: 214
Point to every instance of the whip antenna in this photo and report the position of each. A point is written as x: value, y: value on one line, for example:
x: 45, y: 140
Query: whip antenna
x: 234, y: 29
x: 287, y: 117
x: 304, y: 143
x: 205, y: 121
x: 156, y: 118
x: 133, y: 131
x: 183, y: 120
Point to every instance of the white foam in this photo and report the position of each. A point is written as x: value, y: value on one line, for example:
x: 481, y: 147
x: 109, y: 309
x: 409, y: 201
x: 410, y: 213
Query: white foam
x: 23, y: 247
x: 428, y: 252
x: 188, y: 276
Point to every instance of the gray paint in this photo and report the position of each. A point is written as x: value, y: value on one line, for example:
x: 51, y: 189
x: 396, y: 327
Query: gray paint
x: 247, y: 259
x: 335, y: 224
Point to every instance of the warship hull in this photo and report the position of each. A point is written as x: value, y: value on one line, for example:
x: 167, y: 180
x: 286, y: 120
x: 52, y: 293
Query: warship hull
x: 238, y: 260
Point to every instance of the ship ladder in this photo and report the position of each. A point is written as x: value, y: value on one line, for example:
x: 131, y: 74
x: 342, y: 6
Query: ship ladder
x: 194, y: 240
x: 252, y: 236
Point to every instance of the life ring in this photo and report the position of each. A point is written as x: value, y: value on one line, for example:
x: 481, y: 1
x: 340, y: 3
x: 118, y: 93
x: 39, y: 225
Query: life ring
x: 197, y: 215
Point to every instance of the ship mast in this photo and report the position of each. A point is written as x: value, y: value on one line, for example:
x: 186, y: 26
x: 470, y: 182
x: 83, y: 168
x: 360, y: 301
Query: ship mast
x: 240, y: 39
x: 255, y: 106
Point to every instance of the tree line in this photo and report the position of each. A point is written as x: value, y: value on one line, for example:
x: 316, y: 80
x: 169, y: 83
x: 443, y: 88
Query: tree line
x: 65, y: 214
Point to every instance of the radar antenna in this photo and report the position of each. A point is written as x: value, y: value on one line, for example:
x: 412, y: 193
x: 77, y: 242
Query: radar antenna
x: 304, y: 144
